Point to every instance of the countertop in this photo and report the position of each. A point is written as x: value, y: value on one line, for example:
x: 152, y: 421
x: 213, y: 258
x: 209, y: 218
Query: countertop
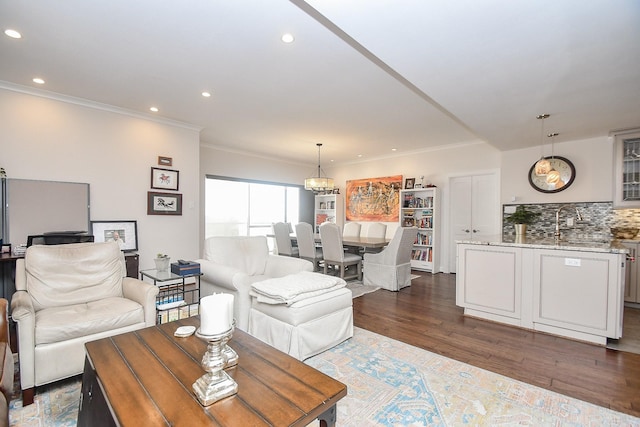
x: 583, y: 245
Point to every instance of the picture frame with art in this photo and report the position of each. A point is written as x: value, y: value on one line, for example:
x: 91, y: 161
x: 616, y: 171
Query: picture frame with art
x: 124, y: 232
x: 164, y: 179
x: 409, y: 183
x: 165, y: 161
x: 373, y: 199
x: 164, y: 203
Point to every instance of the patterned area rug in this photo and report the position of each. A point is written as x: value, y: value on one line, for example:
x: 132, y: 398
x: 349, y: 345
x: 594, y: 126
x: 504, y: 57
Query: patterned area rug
x: 55, y: 405
x: 358, y: 289
x: 394, y: 384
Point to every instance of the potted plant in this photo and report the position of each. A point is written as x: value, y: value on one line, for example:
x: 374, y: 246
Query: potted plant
x: 521, y: 218
x: 162, y: 262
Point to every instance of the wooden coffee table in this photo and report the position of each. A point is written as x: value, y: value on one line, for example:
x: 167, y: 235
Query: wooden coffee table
x: 145, y: 377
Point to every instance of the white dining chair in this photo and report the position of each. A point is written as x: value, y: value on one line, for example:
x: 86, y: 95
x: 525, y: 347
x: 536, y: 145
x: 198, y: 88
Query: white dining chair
x: 307, y: 246
x: 283, y: 240
x: 391, y: 268
x: 375, y: 230
x: 351, y: 229
x: 334, y: 254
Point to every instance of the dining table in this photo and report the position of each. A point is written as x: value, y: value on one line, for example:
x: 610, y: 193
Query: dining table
x: 351, y: 241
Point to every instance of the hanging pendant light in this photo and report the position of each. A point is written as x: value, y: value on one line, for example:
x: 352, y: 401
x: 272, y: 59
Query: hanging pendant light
x: 553, y: 176
x: 319, y: 184
x: 543, y: 166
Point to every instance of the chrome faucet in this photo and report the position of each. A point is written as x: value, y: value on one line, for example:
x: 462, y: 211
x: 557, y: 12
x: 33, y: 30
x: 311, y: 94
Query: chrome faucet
x: 578, y: 215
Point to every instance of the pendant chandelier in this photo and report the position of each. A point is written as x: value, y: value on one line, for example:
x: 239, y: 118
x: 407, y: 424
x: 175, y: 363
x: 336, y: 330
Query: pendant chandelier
x: 543, y: 166
x: 553, y: 176
x: 319, y: 184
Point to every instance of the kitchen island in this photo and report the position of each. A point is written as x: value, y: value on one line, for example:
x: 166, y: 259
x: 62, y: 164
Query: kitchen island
x: 571, y: 289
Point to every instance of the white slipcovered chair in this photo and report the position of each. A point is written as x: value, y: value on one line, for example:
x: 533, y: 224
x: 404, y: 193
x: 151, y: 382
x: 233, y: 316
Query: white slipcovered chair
x: 281, y: 231
x: 334, y: 254
x: 307, y: 246
x: 391, y: 268
x: 67, y: 295
x: 231, y: 264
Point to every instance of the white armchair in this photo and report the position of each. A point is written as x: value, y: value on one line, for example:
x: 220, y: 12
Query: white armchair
x: 67, y: 295
x: 231, y: 264
x: 391, y: 268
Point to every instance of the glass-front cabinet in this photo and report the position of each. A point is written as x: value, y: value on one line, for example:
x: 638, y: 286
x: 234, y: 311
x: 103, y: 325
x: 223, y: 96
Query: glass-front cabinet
x: 626, y: 180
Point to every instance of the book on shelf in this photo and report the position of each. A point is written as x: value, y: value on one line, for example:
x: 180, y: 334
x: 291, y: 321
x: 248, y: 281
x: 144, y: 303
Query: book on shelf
x: 425, y: 255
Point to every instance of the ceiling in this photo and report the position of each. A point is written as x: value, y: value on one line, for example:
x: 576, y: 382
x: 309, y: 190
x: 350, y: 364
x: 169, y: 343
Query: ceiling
x: 362, y: 76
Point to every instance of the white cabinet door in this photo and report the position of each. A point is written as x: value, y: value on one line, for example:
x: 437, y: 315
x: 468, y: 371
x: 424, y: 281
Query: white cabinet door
x: 631, y: 273
x: 626, y: 178
x: 489, y: 280
x: 474, y: 210
x: 578, y: 291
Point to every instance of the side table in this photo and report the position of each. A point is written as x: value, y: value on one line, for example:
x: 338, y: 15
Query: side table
x: 176, y: 298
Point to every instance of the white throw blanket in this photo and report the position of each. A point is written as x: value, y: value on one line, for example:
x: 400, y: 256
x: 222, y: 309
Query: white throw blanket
x: 294, y: 287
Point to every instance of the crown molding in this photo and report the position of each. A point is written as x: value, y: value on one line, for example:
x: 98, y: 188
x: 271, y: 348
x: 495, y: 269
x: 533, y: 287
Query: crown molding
x: 95, y: 105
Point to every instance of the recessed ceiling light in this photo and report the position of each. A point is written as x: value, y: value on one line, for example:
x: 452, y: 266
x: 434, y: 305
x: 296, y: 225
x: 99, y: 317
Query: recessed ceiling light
x: 206, y: 94
x: 359, y: 155
x: 38, y: 80
x: 288, y: 38
x: 154, y: 109
x: 394, y: 149
x: 13, y: 33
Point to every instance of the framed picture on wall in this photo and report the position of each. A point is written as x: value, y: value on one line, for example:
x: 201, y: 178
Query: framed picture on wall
x: 165, y: 161
x: 125, y: 233
x: 164, y: 179
x: 409, y: 183
x: 164, y: 203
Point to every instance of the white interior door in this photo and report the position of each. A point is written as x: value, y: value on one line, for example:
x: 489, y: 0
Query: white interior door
x: 473, y: 211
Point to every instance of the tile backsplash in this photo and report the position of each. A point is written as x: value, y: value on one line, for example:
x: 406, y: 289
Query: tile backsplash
x: 597, y: 220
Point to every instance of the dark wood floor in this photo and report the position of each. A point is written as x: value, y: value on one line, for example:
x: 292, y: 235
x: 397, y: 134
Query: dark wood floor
x: 425, y: 315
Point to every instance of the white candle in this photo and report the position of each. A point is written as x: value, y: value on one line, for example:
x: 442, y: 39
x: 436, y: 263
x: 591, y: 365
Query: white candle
x: 214, y: 314
x: 230, y: 303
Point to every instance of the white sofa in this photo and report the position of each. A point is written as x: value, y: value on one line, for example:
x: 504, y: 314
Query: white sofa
x: 67, y: 295
x: 232, y: 264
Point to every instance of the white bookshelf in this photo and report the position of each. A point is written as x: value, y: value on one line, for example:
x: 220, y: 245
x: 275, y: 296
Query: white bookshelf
x: 419, y: 208
x: 328, y: 208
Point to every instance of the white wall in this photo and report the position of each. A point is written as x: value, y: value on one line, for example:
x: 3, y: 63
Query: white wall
x: 592, y: 158
x: 214, y: 161
x: 63, y: 139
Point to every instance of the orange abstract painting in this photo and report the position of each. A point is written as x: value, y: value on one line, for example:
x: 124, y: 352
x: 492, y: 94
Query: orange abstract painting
x: 374, y: 199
